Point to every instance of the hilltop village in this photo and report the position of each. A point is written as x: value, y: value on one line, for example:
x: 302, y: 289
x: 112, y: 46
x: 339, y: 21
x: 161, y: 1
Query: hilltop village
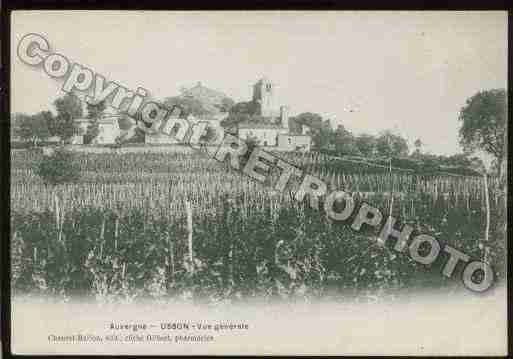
x: 269, y: 126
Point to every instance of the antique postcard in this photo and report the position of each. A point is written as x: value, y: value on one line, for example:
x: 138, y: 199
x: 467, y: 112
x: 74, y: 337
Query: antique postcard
x: 258, y: 182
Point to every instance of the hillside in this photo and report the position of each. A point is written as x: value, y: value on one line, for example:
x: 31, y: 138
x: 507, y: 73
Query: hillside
x: 201, y: 100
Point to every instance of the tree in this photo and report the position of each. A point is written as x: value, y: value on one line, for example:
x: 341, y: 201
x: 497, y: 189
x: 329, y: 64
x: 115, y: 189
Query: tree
x: 321, y: 131
x: 69, y: 108
x: 210, y: 135
x: 418, y: 146
x: 312, y: 120
x: 476, y: 164
x: 391, y: 145
x: 188, y: 104
x: 366, y: 145
x: 251, y: 143
x: 483, y: 121
x: 94, y: 113
x: 244, y: 108
x: 458, y: 160
x: 295, y: 126
x: 230, y: 123
x: 33, y: 128
x: 345, y: 142
x: 244, y: 111
x: 130, y: 132
x: 324, y: 137
x: 226, y: 104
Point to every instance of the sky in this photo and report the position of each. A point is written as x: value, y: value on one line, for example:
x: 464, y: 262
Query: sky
x: 370, y: 71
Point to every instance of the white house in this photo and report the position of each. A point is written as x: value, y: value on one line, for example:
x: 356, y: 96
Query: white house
x: 108, y: 130
x: 293, y: 142
x: 265, y: 134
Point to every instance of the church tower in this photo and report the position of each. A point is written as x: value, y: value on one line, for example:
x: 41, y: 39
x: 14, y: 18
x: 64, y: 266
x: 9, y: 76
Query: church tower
x: 263, y: 95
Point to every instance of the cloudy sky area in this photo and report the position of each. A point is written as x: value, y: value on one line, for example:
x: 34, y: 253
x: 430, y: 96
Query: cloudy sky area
x: 406, y: 71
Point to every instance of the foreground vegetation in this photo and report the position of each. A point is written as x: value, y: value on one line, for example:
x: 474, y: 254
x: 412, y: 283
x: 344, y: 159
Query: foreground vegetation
x: 122, y: 231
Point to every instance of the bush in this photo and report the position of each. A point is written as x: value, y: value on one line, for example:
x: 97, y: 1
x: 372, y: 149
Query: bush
x: 58, y: 167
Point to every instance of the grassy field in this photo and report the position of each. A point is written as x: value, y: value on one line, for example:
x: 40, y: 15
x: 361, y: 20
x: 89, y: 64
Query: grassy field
x: 121, y: 232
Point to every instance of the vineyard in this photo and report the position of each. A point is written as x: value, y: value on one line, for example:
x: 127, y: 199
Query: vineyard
x: 139, y: 226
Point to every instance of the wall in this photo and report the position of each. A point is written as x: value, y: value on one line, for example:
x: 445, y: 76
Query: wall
x: 264, y: 135
x: 291, y: 143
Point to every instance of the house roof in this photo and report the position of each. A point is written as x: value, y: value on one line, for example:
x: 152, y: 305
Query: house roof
x: 81, y: 120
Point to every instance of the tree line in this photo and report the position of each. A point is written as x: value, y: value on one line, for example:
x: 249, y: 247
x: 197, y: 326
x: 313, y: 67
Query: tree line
x: 40, y: 127
x: 482, y: 128
x: 482, y: 119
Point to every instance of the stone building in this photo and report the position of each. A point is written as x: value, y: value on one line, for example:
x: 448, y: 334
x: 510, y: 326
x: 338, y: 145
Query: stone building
x: 263, y: 95
x: 108, y: 130
x: 293, y: 142
x: 265, y: 134
x: 272, y: 130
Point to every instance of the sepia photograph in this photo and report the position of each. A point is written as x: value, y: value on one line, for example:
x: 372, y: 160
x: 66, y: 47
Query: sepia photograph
x: 258, y: 182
